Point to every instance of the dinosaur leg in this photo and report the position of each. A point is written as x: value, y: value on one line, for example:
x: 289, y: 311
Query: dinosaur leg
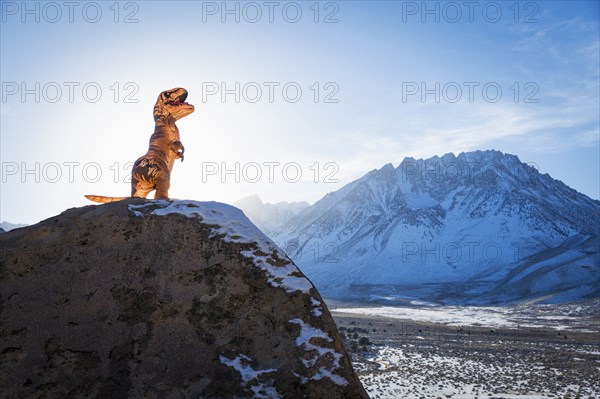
x: 140, y: 187
x: 140, y: 193
x: 162, y: 186
x: 144, y: 177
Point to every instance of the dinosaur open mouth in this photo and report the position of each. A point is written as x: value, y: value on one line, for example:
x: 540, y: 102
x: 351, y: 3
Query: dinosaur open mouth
x: 179, y: 100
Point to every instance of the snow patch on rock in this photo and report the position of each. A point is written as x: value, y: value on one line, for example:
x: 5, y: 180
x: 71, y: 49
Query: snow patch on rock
x: 241, y: 363
x: 317, y: 307
x: 307, y: 334
x: 280, y: 276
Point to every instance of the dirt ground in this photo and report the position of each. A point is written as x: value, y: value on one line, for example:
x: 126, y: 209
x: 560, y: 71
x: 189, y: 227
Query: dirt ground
x: 398, y: 358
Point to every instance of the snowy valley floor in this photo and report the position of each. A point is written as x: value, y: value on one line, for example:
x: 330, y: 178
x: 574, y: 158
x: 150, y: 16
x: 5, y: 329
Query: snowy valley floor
x: 450, y: 352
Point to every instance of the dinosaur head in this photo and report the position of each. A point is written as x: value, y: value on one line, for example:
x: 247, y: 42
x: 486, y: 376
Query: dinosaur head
x: 172, y: 103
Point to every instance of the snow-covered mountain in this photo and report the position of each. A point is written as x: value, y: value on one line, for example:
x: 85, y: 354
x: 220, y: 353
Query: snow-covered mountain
x: 480, y: 227
x: 269, y: 217
x: 6, y: 226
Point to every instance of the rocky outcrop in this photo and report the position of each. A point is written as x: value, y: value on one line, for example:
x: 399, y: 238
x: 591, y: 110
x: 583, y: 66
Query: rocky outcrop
x: 162, y: 299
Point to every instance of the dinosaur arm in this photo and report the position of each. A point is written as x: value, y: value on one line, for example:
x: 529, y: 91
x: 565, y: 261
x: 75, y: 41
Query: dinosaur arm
x: 177, y: 147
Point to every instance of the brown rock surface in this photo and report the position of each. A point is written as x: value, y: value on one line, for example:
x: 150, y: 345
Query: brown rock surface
x: 162, y: 299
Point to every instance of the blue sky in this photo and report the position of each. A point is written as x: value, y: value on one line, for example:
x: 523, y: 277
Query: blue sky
x: 361, y: 69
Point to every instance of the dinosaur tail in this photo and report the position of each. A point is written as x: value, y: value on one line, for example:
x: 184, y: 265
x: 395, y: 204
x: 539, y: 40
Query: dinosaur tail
x: 103, y: 200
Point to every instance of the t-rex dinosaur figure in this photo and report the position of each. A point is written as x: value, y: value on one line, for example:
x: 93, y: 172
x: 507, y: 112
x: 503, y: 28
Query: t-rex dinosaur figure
x: 152, y: 171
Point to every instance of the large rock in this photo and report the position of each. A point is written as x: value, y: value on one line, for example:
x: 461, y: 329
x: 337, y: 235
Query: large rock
x: 162, y: 299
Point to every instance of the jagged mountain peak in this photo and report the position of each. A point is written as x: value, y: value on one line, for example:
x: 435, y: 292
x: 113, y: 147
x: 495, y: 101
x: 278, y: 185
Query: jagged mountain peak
x: 481, y: 199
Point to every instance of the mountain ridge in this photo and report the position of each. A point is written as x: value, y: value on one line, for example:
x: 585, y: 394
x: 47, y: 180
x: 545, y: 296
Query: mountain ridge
x: 7, y: 226
x: 269, y: 217
x: 445, y: 220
